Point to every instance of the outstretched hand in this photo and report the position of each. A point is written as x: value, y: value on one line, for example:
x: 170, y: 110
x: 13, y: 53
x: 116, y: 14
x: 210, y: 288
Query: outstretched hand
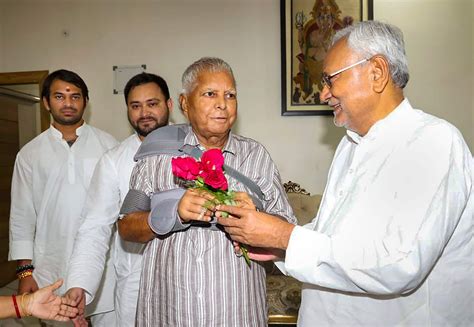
x: 44, y: 304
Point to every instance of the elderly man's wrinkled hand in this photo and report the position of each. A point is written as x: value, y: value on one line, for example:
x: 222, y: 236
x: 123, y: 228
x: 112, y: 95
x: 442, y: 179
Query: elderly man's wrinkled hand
x: 195, y: 205
x: 254, y: 228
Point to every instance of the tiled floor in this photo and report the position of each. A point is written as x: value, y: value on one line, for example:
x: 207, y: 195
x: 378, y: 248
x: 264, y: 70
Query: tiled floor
x: 26, y: 322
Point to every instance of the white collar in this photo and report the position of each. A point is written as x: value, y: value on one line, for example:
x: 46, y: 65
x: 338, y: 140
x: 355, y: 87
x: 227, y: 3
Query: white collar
x: 390, y: 123
x: 57, y: 134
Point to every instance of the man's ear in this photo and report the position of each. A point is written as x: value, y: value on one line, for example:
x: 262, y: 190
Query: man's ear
x: 380, y: 73
x: 170, y: 104
x: 45, y: 103
x: 183, y: 104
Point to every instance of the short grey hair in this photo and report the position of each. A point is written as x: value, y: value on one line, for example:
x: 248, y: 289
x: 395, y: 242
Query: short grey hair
x: 370, y: 38
x: 205, y: 64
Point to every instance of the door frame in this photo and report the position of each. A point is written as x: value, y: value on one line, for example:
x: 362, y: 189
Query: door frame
x: 18, y: 78
x: 29, y: 77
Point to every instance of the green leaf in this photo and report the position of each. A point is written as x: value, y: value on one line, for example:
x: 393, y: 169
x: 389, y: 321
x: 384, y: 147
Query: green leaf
x: 224, y: 214
x: 245, y: 253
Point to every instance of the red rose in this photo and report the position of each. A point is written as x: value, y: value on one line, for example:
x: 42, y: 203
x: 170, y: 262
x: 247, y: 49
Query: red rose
x: 212, y: 160
x: 215, y: 179
x: 186, y: 168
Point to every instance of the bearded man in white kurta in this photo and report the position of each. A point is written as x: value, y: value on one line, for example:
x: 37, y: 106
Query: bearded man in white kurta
x: 148, y: 101
x: 392, y: 243
x: 50, y: 179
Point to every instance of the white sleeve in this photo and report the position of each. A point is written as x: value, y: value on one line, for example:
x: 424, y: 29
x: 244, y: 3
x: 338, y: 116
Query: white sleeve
x: 92, y: 242
x: 22, y: 212
x: 435, y: 190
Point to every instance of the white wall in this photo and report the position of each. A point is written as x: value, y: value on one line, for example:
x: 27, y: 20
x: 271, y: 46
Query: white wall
x: 439, y: 40
x: 168, y: 35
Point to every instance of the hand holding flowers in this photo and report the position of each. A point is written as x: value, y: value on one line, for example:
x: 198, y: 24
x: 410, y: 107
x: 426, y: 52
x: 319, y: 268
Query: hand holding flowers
x: 206, y: 182
x: 194, y: 205
x: 208, y: 187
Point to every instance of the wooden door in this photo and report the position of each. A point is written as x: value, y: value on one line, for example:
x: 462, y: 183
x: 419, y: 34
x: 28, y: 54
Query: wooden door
x: 9, y: 146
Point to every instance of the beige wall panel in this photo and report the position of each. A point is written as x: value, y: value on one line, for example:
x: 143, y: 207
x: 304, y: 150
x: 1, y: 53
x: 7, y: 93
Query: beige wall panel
x: 168, y: 35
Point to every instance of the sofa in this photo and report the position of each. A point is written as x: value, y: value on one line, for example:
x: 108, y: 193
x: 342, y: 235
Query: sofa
x: 284, y: 292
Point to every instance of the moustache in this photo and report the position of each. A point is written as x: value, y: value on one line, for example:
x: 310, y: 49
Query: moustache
x: 146, y: 118
x: 69, y: 108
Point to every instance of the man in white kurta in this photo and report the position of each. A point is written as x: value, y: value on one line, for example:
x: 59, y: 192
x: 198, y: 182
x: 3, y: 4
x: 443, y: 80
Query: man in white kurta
x: 392, y: 242
x: 148, y: 101
x: 108, y: 188
x: 50, y: 179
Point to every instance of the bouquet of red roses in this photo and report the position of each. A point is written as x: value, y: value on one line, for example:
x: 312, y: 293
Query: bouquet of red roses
x: 208, y: 175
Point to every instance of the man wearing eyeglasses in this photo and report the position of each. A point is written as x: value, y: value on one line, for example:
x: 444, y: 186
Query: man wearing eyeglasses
x: 392, y: 241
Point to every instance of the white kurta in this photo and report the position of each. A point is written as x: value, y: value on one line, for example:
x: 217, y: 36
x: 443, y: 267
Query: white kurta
x: 108, y: 188
x: 49, y: 185
x: 392, y: 242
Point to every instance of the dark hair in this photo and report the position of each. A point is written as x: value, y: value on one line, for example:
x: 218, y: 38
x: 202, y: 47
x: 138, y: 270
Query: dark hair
x: 144, y: 78
x: 65, y: 76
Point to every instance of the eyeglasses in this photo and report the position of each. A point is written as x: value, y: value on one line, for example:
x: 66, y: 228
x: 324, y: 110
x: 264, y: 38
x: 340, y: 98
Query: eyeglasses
x: 326, y: 79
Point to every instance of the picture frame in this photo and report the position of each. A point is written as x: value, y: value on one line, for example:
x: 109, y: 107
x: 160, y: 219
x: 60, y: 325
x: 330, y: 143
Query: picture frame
x: 307, y: 27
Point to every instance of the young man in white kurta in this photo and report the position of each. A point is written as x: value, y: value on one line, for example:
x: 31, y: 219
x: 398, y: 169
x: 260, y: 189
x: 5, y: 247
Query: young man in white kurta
x: 109, y: 185
x: 148, y: 101
x: 50, y: 181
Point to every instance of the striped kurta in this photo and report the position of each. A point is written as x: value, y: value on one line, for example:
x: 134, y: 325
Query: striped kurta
x: 193, y: 277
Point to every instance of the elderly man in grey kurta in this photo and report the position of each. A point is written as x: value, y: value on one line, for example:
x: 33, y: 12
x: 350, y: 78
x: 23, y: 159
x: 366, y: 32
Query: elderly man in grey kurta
x: 191, y: 275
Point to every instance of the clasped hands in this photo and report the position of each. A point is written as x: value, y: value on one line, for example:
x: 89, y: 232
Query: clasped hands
x: 266, y: 235
x: 197, y: 205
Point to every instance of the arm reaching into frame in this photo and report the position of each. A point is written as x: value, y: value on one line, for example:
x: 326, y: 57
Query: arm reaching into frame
x: 43, y: 304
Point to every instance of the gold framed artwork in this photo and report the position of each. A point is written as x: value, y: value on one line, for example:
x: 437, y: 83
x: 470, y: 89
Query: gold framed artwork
x: 307, y: 27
